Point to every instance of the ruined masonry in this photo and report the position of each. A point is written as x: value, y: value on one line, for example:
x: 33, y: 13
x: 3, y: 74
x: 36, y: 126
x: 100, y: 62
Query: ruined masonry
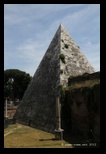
x: 62, y: 59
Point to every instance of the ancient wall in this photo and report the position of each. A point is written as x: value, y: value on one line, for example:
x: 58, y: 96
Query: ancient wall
x: 37, y: 108
x: 84, y: 77
x: 74, y: 63
x: 81, y: 112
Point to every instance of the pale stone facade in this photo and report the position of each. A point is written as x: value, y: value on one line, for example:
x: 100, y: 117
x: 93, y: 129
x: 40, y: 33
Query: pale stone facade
x: 62, y: 59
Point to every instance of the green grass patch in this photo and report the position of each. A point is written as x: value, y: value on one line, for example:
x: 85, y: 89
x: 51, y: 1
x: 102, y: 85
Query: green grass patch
x: 88, y: 83
x: 11, y: 127
x: 27, y: 137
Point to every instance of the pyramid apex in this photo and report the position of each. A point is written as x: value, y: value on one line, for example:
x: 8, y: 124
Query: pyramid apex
x: 61, y: 25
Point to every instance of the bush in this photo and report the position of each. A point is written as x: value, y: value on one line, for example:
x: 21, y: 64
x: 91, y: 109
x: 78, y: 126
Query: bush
x: 61, y: 71
x: 62, y: 57
x: 66, y: 46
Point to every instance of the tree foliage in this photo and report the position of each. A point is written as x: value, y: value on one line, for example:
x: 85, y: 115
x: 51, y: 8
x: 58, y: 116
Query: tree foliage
x: 15, y: 83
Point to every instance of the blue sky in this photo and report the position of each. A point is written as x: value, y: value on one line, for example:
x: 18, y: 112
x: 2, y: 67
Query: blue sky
x: 29, y: 29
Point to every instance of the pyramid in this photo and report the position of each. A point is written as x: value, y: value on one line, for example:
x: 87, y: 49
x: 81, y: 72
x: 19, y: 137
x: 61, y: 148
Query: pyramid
x: 62, y: 60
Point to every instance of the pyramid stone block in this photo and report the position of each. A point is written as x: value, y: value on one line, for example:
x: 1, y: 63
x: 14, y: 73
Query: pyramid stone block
x: 62, y: 59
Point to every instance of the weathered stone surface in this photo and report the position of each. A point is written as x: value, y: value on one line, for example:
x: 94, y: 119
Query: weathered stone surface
x: 38, y: 106
x: 75, y: 62
x: 85, y: 77
x: 81, y: 112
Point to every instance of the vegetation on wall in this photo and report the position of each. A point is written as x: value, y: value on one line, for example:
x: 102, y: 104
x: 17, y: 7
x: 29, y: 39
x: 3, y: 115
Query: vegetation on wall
x: 61, y: 71
x: 66, y: 46
x: 89, y: 91
x: 87, y: 83
x: 62, y: 57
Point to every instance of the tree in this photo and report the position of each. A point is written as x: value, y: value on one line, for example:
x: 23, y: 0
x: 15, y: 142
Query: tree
x: 15, y: 83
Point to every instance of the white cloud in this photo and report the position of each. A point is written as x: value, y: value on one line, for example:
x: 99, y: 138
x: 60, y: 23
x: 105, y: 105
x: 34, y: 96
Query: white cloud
x: 32, y: 27
x: 92, y: 52
x: 81, y: 18
x: 31, y: 48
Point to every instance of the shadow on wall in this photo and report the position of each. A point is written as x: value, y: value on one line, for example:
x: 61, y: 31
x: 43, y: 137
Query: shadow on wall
x: 81, y: 115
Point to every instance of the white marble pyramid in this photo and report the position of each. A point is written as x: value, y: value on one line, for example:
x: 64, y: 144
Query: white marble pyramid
x: 62, y: 59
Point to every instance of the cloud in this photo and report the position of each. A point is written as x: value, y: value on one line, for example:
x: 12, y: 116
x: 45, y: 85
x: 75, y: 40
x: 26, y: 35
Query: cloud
x: 28, y: 55
x: 29, y: 29
x: 23, y: 13
x: 31, y: 52
x: 81, y: 18
x: 92, y: 52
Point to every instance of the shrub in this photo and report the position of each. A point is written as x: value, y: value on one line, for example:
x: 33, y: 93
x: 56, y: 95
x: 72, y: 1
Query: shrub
x: 66, y: 46
x: 61, y: 71
x: 62, y: 57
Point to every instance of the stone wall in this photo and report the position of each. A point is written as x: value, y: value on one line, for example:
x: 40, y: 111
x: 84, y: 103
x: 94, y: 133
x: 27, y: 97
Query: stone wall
x: 84, y: 77
x: 75, y: 63
x: 81, y: 112
x: 38, y: 106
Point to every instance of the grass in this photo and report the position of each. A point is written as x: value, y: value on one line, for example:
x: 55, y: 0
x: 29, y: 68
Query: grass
x: 27, y: 137
x: 87, y: 83
x: 11, y: 128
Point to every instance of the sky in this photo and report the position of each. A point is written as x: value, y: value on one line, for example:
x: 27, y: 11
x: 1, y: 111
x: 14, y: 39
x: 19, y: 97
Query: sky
x: 29, y: 29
